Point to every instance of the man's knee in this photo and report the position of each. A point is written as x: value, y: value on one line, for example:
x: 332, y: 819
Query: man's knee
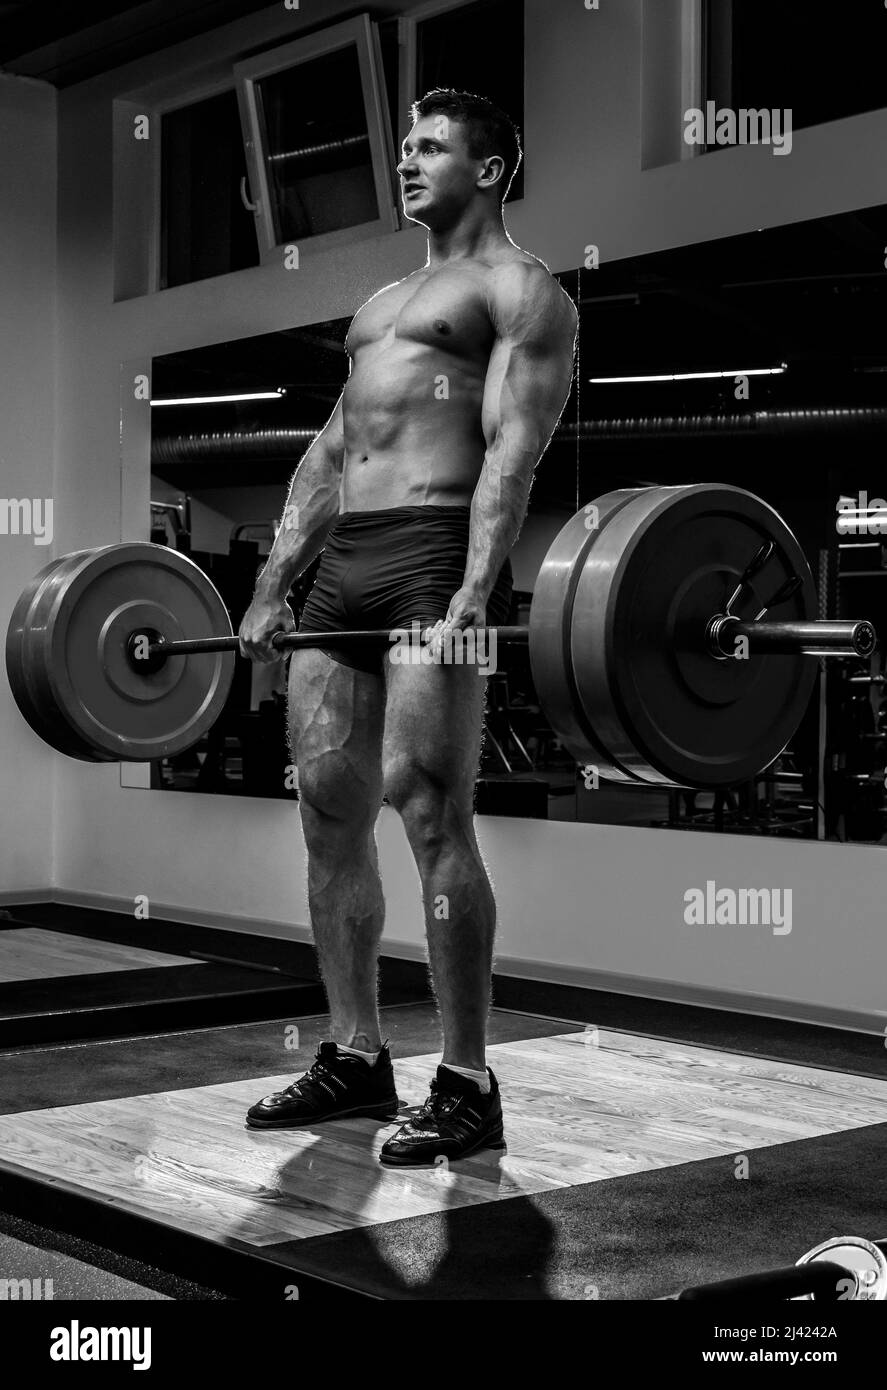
x: 336, y: 800
x: 426, y: 801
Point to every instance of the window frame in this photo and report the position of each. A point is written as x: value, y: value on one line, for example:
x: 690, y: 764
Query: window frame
x: 408, y: 65
x: 693, y: 74
x: 409, y: 48
x: 717, y: 61
x: 363, y: 34
x: 194, y: 97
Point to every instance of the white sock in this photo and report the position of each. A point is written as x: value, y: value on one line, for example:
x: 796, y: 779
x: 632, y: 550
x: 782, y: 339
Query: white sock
x: 481, y: 1077
x: 369, y: 1057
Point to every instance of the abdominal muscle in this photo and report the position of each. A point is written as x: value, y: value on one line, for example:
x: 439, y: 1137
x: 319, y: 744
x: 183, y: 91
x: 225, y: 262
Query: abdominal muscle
x: 407, y: 443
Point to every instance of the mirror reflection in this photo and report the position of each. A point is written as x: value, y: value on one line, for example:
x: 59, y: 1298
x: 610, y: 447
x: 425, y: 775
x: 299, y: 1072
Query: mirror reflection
x: 751, y: 360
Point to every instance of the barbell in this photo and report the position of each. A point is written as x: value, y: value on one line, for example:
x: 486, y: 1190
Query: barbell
x: 842, y: 1268
x: 649, y: 647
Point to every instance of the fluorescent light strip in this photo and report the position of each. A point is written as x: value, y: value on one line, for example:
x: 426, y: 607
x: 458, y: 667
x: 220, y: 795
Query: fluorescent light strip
x: 218, y: 400
x: 690, y: 376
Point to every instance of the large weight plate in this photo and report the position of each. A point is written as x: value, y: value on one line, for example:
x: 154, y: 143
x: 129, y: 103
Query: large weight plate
x: 24, y: 666
x: 91, y: 606
x: 658, y: 701
x: 551, y: 617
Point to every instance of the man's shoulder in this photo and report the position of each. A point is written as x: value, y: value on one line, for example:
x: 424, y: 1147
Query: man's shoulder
x: 522, y: 281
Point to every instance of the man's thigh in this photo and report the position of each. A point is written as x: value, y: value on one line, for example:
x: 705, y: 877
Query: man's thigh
x: 336, y: 718
x: 433, y: 727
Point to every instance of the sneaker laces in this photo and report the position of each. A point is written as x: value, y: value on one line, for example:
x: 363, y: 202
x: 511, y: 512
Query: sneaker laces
x: 439, y: 1105
x: 312, y: 1081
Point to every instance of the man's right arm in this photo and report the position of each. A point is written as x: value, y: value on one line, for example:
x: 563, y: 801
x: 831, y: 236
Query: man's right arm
x: 311, y: 509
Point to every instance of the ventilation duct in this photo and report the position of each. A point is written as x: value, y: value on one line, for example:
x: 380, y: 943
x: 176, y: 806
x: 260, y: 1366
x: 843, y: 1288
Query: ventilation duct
x: 761, y: 423
x: 290, y: 442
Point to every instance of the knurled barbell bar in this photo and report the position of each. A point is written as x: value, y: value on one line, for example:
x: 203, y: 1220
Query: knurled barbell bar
x: 647, y: 611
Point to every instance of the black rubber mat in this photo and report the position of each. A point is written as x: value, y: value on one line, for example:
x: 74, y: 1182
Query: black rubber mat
x: 114, y: 1003
x: 161, y: 934
x: 644, y: 1236
x: 239, y: 977
x: 403, y: 981
x: 776, y: 1039
x: 41, y: 1078
x: 41, y: 1275
x: 81, y: 1269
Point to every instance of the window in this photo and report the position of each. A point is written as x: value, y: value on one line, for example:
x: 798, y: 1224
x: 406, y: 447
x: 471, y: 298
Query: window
x: 206, y: 228
x: 318, y: 140
x: 295, y: 144
x: 476, y: 47
x: 821, y: 61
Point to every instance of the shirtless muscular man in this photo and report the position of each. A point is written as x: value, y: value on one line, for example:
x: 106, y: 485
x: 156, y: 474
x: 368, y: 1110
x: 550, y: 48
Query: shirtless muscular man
x: 415, y: 495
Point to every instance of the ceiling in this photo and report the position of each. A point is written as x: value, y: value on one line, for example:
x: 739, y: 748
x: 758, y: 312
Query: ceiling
x: 67, y: 43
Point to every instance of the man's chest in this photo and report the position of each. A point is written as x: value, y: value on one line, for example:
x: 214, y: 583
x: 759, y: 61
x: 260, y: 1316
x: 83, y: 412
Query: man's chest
x: 446, y: 311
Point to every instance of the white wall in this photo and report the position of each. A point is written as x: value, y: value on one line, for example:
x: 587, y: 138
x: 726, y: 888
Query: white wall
x: 27, y: 443
x: 585, y: 897
x: 585, y: 147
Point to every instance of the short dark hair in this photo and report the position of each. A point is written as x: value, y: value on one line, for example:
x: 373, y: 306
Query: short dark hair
x: 488, y: 129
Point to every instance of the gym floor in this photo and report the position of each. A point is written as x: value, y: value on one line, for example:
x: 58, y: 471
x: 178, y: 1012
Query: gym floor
x: 712, y: 1143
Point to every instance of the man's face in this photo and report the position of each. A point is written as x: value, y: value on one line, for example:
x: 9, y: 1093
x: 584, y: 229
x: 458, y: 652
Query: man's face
x: 438, y: 176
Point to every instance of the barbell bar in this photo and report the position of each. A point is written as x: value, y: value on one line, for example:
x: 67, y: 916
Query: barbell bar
x: 647, y: 611
x: 848, y: 638
x: 819, y: 638
x: 841, y: 1268
x: 290, y: 641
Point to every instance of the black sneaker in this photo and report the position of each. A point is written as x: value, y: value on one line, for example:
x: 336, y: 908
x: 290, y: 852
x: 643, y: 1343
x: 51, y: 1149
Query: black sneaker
x: 455, y: 1120
x: 336, y: 1084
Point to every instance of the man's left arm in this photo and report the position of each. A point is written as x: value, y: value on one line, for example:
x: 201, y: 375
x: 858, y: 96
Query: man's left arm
x: 527, y: 386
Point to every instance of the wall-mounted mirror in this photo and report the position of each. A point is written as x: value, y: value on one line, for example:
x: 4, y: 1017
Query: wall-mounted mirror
x: 752, y: 360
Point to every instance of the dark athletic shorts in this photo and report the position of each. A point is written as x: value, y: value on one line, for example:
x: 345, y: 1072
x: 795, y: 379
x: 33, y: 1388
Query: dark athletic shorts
x: 387, y: 569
